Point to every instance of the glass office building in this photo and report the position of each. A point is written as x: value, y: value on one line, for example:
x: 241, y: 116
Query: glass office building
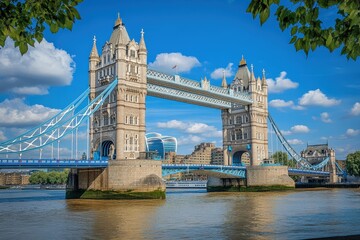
x: 155, y: 142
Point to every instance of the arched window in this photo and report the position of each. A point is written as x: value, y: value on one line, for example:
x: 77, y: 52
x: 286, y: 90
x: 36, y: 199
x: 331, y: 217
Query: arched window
x: 106, y: 118
x: 131, y: 120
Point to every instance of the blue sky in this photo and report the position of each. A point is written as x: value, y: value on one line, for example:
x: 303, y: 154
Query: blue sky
x: 313, y: 99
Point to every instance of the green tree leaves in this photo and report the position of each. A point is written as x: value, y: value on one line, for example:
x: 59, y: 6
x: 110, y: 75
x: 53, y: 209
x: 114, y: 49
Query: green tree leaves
x: 24, y: 21
x: 52, y: 177
x: 353, y: 163
x: 307, y: 29
x: 282, y: 158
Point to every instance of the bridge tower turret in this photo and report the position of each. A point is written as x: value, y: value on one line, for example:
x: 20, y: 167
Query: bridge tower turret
x: 245, y: 127
x: 118, y: 127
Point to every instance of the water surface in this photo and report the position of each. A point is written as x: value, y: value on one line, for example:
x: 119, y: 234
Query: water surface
x: 185, y: 214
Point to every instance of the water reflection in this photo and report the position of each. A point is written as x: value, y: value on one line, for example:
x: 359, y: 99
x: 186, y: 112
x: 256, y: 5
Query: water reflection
x: 183, y: 215
x: 117, y: 219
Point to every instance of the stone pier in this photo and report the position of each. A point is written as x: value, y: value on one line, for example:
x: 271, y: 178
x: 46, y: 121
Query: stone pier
x: 124, y: 179
x: 268, y: 176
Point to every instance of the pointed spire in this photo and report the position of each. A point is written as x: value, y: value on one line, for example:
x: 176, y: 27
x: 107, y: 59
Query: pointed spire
x: 252, y: 76
x: 94, y: 52
x: 118, y: 21
x: 142, y: 45
x: 242, y: 61
x: 223, y: 83
x: 264, y: 82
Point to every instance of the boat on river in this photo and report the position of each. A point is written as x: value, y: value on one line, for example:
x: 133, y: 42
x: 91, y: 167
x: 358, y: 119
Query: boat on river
x: 186, y: 184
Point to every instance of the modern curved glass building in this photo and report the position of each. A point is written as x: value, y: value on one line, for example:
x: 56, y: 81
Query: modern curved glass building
x: 155, y: 142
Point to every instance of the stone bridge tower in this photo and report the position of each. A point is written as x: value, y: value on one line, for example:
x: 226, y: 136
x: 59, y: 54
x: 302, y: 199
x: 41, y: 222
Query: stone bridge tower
x: 245, y: 137
x: 118, y: 128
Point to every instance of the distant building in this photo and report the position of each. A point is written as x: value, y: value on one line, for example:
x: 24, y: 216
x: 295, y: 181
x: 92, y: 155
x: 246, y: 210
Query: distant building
x: 217, y: 156
x: 162, y: 145
x: 16, y: 178
x: 315, y: 154
x: 201, y: 154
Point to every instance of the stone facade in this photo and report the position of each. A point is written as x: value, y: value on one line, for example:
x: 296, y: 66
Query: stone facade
x: 245, y: 127
x: 118, y: 128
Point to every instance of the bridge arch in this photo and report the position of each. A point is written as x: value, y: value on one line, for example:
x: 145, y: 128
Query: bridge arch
x: 241, y: 157
x: 105, y: 149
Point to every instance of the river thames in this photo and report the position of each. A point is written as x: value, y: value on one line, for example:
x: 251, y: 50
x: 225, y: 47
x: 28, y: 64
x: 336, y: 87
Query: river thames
x: 185, y: 214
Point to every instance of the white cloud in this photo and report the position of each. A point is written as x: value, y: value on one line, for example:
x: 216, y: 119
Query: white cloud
x: 300, y: 129
x: 295, y: 141
x: 317, y: 98
x: 355, y: 110
x: 200, y: 128
x: 280, y: 84
x: 352, y: 132
x: 172, y: 124
x: 16, y: 113
x: 325, y: 117
x: 193, y: 129
x: 296, y: 129
x: 279, y: 103
x: 167, y: 62
x: 41, y: 67
x: 190, y: 140
x: 218, y: 73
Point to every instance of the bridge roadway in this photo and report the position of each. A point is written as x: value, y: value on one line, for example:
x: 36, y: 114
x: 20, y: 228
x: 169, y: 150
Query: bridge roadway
x: 234, y: 171
x: 202, y: 93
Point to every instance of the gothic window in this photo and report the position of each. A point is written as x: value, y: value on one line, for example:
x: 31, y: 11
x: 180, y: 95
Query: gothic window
x: 245, y: 135
x: 246, y: 119
x: 131, y: 120
x: 132, y: 53
x: 126, y: 97
x: 108, y: 57
x: 238, y: 119
x: 232, y: 136
x: 131, y: 98
x: 104, y: 59
x: 132, y: 68
x: 238, y: 134
x: 136, y: 145
x: 131, y: 143
x: 106, y: 118
x: 126, y: 120
x: 113, y: 118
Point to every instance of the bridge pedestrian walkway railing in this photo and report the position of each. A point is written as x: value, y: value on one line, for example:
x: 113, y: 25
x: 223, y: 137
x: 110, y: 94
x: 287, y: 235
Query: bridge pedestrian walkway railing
x: 180, y: 83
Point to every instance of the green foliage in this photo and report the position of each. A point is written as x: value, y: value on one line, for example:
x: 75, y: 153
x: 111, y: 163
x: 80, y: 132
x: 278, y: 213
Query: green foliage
x: 282, y: 158
x: 306, y: 27
x: 353, y: 163
x: 52, y: 177
x: 24, y: 21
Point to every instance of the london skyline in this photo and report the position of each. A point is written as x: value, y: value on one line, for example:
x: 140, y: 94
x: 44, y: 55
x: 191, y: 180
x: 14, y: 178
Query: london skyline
x: 312, y: 99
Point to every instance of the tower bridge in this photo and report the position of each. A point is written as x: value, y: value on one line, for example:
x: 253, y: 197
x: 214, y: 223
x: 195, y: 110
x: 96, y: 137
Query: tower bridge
x: 119, y: 82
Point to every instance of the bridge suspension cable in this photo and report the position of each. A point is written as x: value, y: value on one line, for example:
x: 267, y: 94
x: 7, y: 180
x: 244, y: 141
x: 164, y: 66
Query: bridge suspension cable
x: 302, y: 161
x: 56, y: 119
x: 58, y: 126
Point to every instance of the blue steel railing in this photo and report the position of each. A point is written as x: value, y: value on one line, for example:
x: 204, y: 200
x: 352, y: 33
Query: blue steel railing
x: 51, y: 163
x: 239, y: 171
